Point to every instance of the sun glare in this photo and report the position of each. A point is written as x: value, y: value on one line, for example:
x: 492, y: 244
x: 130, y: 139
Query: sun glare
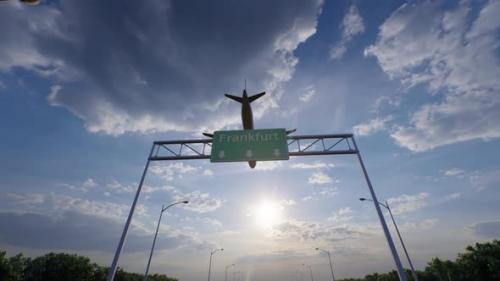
x: 267, y: 213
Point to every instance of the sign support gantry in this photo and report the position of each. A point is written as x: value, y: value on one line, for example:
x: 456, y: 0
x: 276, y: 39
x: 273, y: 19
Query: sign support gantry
x: 300, y: 145
x: 303, y: 145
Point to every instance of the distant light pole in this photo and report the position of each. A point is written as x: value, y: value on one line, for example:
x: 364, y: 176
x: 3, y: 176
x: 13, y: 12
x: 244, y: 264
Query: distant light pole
x: 329, y: 259
x: 210, y: 262
x: 163, y: 209
x: 227, y: 266
x: 310, y: 271
x: 239, y: 275
x: 386, y: 205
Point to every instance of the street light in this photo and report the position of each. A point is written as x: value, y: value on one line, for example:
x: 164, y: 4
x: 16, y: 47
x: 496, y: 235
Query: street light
x: 329, y: 259
x: 163, y: 209
x: 386, y: 205
x: 210, y: 262
x: 227, y: 266
x: 240, y: 274
x: 310, y: 271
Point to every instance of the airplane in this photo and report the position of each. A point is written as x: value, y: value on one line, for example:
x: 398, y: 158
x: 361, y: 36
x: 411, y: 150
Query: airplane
x: 246, y: 115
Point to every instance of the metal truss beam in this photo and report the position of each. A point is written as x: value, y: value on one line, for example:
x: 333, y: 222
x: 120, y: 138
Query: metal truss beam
x: 303, y: 145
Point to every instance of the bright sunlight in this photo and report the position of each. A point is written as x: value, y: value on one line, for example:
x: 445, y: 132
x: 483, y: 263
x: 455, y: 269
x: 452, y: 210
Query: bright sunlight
x: 267, y: 213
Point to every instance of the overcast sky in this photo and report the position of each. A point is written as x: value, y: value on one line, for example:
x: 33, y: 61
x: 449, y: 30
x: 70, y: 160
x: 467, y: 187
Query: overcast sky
x: 87, y: 86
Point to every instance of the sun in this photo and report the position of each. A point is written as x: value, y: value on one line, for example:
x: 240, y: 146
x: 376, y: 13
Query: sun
x: 267, y: 213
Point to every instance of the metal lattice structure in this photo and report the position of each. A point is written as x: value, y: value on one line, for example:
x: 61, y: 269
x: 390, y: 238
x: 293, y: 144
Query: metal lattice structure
x: 300, y: 145
x: 303, y: 145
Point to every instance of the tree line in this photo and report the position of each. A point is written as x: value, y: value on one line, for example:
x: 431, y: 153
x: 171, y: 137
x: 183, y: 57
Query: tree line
x: 62, y: 267
x: 480, y: 262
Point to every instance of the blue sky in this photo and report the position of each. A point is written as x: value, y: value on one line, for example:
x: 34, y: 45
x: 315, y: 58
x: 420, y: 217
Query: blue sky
x: 85, y: 88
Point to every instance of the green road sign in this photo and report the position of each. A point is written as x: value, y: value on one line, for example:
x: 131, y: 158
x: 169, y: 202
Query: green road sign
x: 249, y: 145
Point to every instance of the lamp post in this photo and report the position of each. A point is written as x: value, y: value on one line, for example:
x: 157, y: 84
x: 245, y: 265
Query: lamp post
x: 163, y: 209
x: 310, y: 270
x: 386, y: 205
x: 329, y: 259
x: 210, y: 262
x: 227, y: 266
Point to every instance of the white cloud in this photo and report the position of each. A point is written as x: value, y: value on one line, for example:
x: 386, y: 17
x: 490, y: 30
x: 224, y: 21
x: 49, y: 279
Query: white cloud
x: 373, y: 126
x: 118, y: 187
x: 56, y: 204
x: 208, y: 172
x: 184, y: 69
x: 453, y: 172
x: 308, y: 94
x: 408, y: 203
x: 454, y: 53
x: 453, y: 196
x: 319, y: 178
x: 199, y: 202
x: 321, y: 193
x: 269, y: 165
x: 314, y: 165
x: 481, y: 180
x: 170, y: 171
x: 352, y: 25
x: 341, y: 215
x: 420, y: 225
x: 88, y: 183
x: 320, y: 232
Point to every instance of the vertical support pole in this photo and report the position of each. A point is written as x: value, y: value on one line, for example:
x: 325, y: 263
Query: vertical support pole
x: 415, y: 276
x: 210, y: 265
x: 331, y: 266
x: 114, y: 265
x: 153, y: 246
x: 397, y: 261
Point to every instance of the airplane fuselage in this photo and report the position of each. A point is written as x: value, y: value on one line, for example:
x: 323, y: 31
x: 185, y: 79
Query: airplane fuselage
x: 246, y: 113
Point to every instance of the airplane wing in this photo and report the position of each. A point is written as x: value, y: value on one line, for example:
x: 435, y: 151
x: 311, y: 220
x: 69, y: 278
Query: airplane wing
x: 254, y: 97
x: 238, y: 99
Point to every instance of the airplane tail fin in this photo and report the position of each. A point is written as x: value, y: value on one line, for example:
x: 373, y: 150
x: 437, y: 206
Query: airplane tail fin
x: 235, y: 98
x: 254, y: 97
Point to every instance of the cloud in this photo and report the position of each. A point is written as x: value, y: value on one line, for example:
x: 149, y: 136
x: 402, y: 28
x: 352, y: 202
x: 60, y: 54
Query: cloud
x: 352, y: 25
x: 308, y: 94
x: 169, y: 171
x: 199, y: 202
x: 208, y: 172
x: 421, y: 225
x: 154, y: 70
x: 271, y: 257
x: 481, y: 180
x: 269, y: 165
x: 319, y: 178
x: 321, y: 193
x: 77, y: 231
x: 341, y: 215
x: 320, y: 232
x: 118, y: 187
x: 55, y: 204
x: 408, y: 203
x: 454, y: 53
x: 64, y: 222
x: 373, y: 126
x: 489, y: 229
x: 314, y: 165
x: 453, y: 196
x: 453, y: 172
